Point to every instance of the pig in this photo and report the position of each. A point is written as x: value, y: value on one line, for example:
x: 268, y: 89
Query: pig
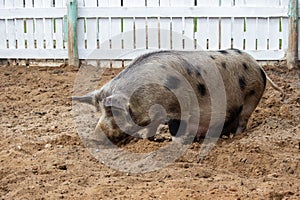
x: 177, y: 88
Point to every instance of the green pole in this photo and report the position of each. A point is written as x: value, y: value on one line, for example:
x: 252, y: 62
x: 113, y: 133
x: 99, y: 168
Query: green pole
x: 292, y: 53
x: 72, y: 33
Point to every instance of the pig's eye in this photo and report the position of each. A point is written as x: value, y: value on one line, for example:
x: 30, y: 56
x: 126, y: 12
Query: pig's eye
x: 130, y: 112
x: 110, y: 112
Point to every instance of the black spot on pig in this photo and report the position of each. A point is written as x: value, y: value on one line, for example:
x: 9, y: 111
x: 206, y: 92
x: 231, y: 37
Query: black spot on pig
x: 212, y: 57
x: 202, y: 89
x: 224, y: 65
x: 246, y: 68
x: 238, y: 51
x: 172, y: 82
x: 224, y: 52
x: 188, y: 71
x: 177, y: 127
x: 251, y: 93
x: 242, y: 82
x: 198, y: 73
x: 263, y: 75
x: 189, y: 68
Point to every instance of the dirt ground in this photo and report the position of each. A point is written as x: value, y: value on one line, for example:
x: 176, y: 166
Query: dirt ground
x: 42, y: 157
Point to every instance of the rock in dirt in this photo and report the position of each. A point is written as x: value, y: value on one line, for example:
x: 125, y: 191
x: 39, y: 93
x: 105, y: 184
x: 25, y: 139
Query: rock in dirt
x: 48, y: 146
x: 62, y: 167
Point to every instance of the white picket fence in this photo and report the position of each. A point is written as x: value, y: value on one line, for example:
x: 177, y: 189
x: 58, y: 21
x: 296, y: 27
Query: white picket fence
x: 110, y: 29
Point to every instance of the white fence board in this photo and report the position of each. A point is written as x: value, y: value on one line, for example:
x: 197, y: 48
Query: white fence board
x: 48, y: 3
x: 49, y: 33
x: 103, y: 3
x: 260, y: 27
x: 39, y: 27
x: 60, y: 3
x: 2, y: 3
x: 59, y: 41
x: 165, y: 27
x: 28, y: 3
x: 260, y: 3
x: 91, y: 27
x: 152, y: 3
x: 240, y: 2
x: 226, y: 33
x: 262, y: 34
x: 39, y: 34
x: 11, y: 33
x: 104, y: 33
x: 189, y: 34
x: 81, y: 33
x: 250, y: 35
x: 227, y: 3
x: 274, y: 34
x: 116, y: 30
x: 132, y: 3
x: 128, y: 33
x: 153, y: 33
x: 20, y: 36
x: 207, y: 3
x: 165, y: 33
x: 59, y: 34
x: 116, y: 40
x: 140, y: 33
x: 165, y: 3
x: 285, y: 33
x: 238, y: 33
x: 29, y: 34
x: 202, y: 33
x: 81, y: 3
x: 213, y: 35
x: 90, y: 3
x: 10, y: 27
x: 181, y: 3
x: 9, y: 3
x: 2, y: 34
x: 18, y: 3
x: 177, y: 38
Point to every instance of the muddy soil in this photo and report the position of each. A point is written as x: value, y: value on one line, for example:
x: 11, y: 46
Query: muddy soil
x: 42, y: 157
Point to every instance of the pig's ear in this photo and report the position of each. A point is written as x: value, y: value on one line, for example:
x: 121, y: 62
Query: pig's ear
x: 117, y: 101
x: 89, y: 98
x: 84, y: 99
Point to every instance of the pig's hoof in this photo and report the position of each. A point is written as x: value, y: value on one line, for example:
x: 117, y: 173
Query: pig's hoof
x: 152, y: 138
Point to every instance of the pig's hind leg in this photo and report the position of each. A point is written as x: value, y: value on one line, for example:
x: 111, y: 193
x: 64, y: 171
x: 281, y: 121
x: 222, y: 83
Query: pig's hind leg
x: 250, y: 104
x: 232, y: 121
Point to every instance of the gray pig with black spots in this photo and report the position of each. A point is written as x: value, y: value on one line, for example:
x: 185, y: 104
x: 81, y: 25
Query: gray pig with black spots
x: 176, y: 88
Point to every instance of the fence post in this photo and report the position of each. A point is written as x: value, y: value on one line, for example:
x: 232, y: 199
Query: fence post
x: 292, y: 53
x: 72, y: 33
